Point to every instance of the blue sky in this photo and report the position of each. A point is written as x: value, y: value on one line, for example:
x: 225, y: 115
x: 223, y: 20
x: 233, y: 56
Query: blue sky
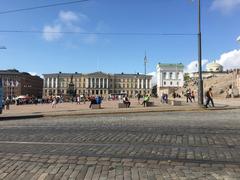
x: 53, y: 52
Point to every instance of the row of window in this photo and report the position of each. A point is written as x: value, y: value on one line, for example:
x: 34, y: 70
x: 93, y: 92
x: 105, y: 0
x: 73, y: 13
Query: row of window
x: 177, y: 76
x: 171, y: 83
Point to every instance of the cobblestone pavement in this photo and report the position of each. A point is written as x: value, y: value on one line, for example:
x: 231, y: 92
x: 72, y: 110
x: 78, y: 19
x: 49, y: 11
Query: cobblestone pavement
x: 179, y: 145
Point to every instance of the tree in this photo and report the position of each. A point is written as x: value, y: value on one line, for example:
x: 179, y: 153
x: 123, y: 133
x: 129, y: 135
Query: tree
x: 186, y: 77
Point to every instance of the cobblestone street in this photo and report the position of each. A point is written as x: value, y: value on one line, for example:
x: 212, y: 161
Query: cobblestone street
x: 177, y: 145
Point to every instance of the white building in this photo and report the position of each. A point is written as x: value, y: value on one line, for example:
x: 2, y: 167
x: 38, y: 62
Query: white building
x: 214, y: 67
x: 169, y: 76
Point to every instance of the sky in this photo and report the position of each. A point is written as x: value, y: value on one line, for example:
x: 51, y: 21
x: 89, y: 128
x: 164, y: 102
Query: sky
x: 116, y: 52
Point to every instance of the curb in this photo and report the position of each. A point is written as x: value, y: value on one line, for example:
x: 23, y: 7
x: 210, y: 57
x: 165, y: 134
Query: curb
x: 6, y: 118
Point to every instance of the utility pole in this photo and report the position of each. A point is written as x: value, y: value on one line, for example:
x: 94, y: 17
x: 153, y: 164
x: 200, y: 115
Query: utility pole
x: 200, y: 80
x: 145, y: 71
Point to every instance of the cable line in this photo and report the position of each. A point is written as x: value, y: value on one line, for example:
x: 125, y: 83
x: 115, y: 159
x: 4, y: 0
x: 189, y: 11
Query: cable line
x: 41, y: 7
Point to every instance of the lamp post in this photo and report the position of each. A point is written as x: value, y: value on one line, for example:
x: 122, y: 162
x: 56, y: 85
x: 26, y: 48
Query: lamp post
x: 145, y: 72
x: 200, y: 81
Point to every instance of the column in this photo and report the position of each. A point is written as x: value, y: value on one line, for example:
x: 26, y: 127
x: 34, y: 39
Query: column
x: 91, y: 84
x: 86, y: 82
x: 95, y: 82
x: 146, y: 83
x: 103, y: 83
x: 47, y: 83
x: 52, y: 83
x: 56, y: 83
x: 142, y: 83
x: 107, y: 83
x: 138, y: 84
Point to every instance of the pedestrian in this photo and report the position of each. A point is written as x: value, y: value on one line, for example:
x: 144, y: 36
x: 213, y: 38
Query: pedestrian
x: 146, y: 99
x: 78, y: 99
x: 126, y: 101
x: 93, y: 101
x: 193, y: 96
x: 54, y: 102
x: 188, y: 95
x: 84, y: 99
x: 138, y: 97
x: 7, y: 103
x: 209, y: 97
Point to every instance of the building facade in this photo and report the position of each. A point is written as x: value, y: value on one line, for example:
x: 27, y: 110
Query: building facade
x: 169, y: 76
x: 17, y: 83
x: 97, y: 83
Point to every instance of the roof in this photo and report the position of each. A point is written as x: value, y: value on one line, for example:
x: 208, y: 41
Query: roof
x: 137, y: 74
x: 180, y: 65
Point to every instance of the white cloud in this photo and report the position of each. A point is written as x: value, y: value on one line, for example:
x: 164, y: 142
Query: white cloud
x: 33, y: 73
x: 68, y: 16
x: 36, y: 74
x: 230, y: 60
x: 225, y: 6
x: 154, y: 78
x: 51, y: 33
x: 238, y: 39
x: 66, y: 21
x: 193, y: 66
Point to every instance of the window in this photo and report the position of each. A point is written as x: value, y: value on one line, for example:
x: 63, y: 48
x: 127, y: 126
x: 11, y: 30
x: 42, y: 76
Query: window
x: 164, y: 75
x: 171, y: 83
x: 170, y: 75
x: 164, y: 83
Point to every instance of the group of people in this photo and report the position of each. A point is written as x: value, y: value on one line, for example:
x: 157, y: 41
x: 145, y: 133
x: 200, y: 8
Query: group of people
x: 146, y: 99
x: 95, y: 100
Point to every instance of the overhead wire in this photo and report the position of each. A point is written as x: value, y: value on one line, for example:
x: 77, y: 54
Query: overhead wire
x: 99, y: 33
x: 41, y: 7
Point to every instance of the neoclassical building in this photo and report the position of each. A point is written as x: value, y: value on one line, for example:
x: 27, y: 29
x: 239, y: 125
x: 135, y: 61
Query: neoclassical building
x: 97, y: 83
x: 169, y: 76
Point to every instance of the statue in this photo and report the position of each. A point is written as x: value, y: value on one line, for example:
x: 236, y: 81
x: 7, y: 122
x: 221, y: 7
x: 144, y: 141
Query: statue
x: 71, y: 90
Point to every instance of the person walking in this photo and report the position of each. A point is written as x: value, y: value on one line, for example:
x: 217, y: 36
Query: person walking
x: 209, y: 97
x: 188, y: 95
x: 78, y: 99
x: 193, y: 96
x: 54, y: 102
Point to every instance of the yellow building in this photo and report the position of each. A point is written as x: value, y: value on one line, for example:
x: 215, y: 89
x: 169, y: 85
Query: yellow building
x: 97, y: 83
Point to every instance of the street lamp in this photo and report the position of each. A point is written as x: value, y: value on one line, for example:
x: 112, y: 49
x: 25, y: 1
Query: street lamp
x: 145, y: 71
x: 200, y: 81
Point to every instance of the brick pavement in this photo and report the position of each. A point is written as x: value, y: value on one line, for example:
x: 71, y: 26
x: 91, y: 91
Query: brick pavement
x: 196, y: 145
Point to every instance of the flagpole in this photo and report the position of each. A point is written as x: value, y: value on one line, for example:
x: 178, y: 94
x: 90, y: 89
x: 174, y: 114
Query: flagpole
x: 200, y: 82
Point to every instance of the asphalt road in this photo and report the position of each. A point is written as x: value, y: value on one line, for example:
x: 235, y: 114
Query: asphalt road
x: 179, y: 145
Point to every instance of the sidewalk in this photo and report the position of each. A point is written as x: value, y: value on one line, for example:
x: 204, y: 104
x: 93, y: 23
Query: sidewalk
x: 108, y: 107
